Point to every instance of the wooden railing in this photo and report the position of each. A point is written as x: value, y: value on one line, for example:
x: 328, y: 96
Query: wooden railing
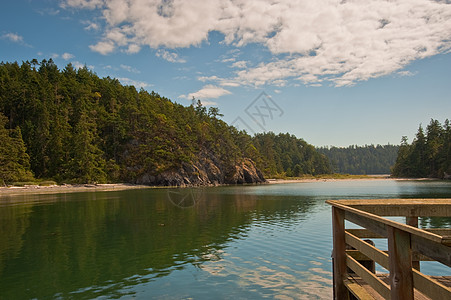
x: 353, y: 257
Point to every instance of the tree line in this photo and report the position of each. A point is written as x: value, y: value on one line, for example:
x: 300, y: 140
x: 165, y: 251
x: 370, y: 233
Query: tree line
x: 70, y: 125
x: 429, y: 154
x: 357, y: 160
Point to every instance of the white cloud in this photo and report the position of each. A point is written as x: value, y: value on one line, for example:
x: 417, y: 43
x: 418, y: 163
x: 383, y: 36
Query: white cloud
x: 208, y: 78
x: 133, y: 48
x: 227, y: 60
x: 406, y: 73
x: 48, y: 11
x: 103, y: 47
x: 239, y: 64
x: 335, y: 41
x: 229, y: 83
x: 137, y: 84
x: 91, y: 25
x: 67, y: 56
x: 89, y: 4
x: 79, y: 65
x: 13, y: 37
x: 207, y: 92
x: 169, y: 56
x: 218, y: 80
x: 130, y: 69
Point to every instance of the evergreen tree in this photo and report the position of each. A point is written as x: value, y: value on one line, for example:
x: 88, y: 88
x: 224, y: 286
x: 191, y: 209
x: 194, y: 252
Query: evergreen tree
x: 14, y: 161
x: 428, y: 155
x: 368, y: 159
x: 75, y: 126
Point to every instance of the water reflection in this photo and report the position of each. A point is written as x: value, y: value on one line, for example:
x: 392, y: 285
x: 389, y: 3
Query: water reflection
x: 90, y: 244
x: 226, y: 242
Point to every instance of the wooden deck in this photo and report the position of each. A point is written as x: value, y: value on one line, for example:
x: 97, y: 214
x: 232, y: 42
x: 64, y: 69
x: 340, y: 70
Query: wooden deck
x: 359, y: 287
x: 354, y: 256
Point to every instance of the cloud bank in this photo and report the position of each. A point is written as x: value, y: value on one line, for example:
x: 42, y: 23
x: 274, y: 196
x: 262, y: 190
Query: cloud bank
x: 315, y: 42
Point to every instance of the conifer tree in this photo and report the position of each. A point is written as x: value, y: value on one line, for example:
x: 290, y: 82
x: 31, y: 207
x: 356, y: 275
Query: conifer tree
x: 14, y: 161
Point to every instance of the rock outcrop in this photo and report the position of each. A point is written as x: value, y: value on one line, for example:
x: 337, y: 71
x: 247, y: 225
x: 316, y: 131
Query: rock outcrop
x: 206, y: 171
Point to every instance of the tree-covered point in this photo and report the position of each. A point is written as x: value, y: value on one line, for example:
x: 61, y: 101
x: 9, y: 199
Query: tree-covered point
x: 287, y: 155
x: 429, y: 155
x: 361, y: 160
x: 70, y: 125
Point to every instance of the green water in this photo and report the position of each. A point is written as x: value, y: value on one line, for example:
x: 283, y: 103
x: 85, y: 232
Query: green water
x: 244, y: 242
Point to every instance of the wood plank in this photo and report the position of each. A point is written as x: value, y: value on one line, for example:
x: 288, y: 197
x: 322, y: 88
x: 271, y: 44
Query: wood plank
x: 400, y: 264
x: 366, y: 286
x: 445, y: 280
x: 365, y: 233
x: 439, y: 231
x: 407, y: 210
x: 382, y: 288
x: 350, y: 211
x: 374, y: 226
x: 436, y: 251
x: 406, y: 243
x: 368, y: 250
x: 339, y: 254
x: 357, y: 255
x: 401, y: 207
x: 430, y: 287
x: 415, y: 201
x: 413, y: 221
x: 357, y: 290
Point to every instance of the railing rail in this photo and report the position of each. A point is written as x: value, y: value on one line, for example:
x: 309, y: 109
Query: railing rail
x: 407, y: 244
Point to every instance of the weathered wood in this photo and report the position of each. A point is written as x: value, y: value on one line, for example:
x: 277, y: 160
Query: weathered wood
x: 365, y: 233
x: 350, y: 211
x: 357, y: 290
x: 377, y: 227
x: 436, y: 251
x: 445, y: 281
x: 407, y: 246
x: 357, y: 255
x: 382, y: 288
x: 402, y: 207
x: 413, y: 221
x: 430, y: 287
x: 339, y: 254
x: 368, y: 250
x: 439, y: 231
x: 400, y: 264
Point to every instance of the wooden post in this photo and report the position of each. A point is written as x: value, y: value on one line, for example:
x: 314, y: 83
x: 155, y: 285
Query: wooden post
x: 339, y: 254
x: 400, y: 264
x: 413, y: 221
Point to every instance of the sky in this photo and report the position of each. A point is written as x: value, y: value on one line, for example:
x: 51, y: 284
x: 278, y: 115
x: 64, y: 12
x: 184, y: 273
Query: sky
x: 333, y: 72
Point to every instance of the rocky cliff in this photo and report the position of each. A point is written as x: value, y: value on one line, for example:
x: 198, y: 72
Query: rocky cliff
x: 205, y: 171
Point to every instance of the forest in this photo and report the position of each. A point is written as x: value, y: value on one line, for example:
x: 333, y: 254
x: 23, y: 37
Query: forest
x: 361, y: 160
x: 429, y: 154
x: 71, y: 126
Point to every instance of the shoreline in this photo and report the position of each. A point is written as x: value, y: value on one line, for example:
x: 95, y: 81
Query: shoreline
x: 369, y: 178
x: 68, y: 188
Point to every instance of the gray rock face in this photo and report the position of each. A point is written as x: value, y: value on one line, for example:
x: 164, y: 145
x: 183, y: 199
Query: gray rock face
x: 205, y: 172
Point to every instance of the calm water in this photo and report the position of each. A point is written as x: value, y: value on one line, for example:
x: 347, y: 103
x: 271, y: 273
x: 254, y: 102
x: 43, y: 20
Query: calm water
x: 251, y: 242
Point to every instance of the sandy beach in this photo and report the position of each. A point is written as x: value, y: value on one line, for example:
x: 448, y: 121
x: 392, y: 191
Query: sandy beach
x: 369, y: 177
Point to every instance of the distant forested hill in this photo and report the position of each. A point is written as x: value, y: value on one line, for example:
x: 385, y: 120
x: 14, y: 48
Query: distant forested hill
x: 287, y: 155
x: 368, y: 159
x: 72, y: 126
x: 429, y: 154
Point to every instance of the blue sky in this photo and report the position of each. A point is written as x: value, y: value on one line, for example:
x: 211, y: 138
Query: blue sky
x: 329, y: 71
